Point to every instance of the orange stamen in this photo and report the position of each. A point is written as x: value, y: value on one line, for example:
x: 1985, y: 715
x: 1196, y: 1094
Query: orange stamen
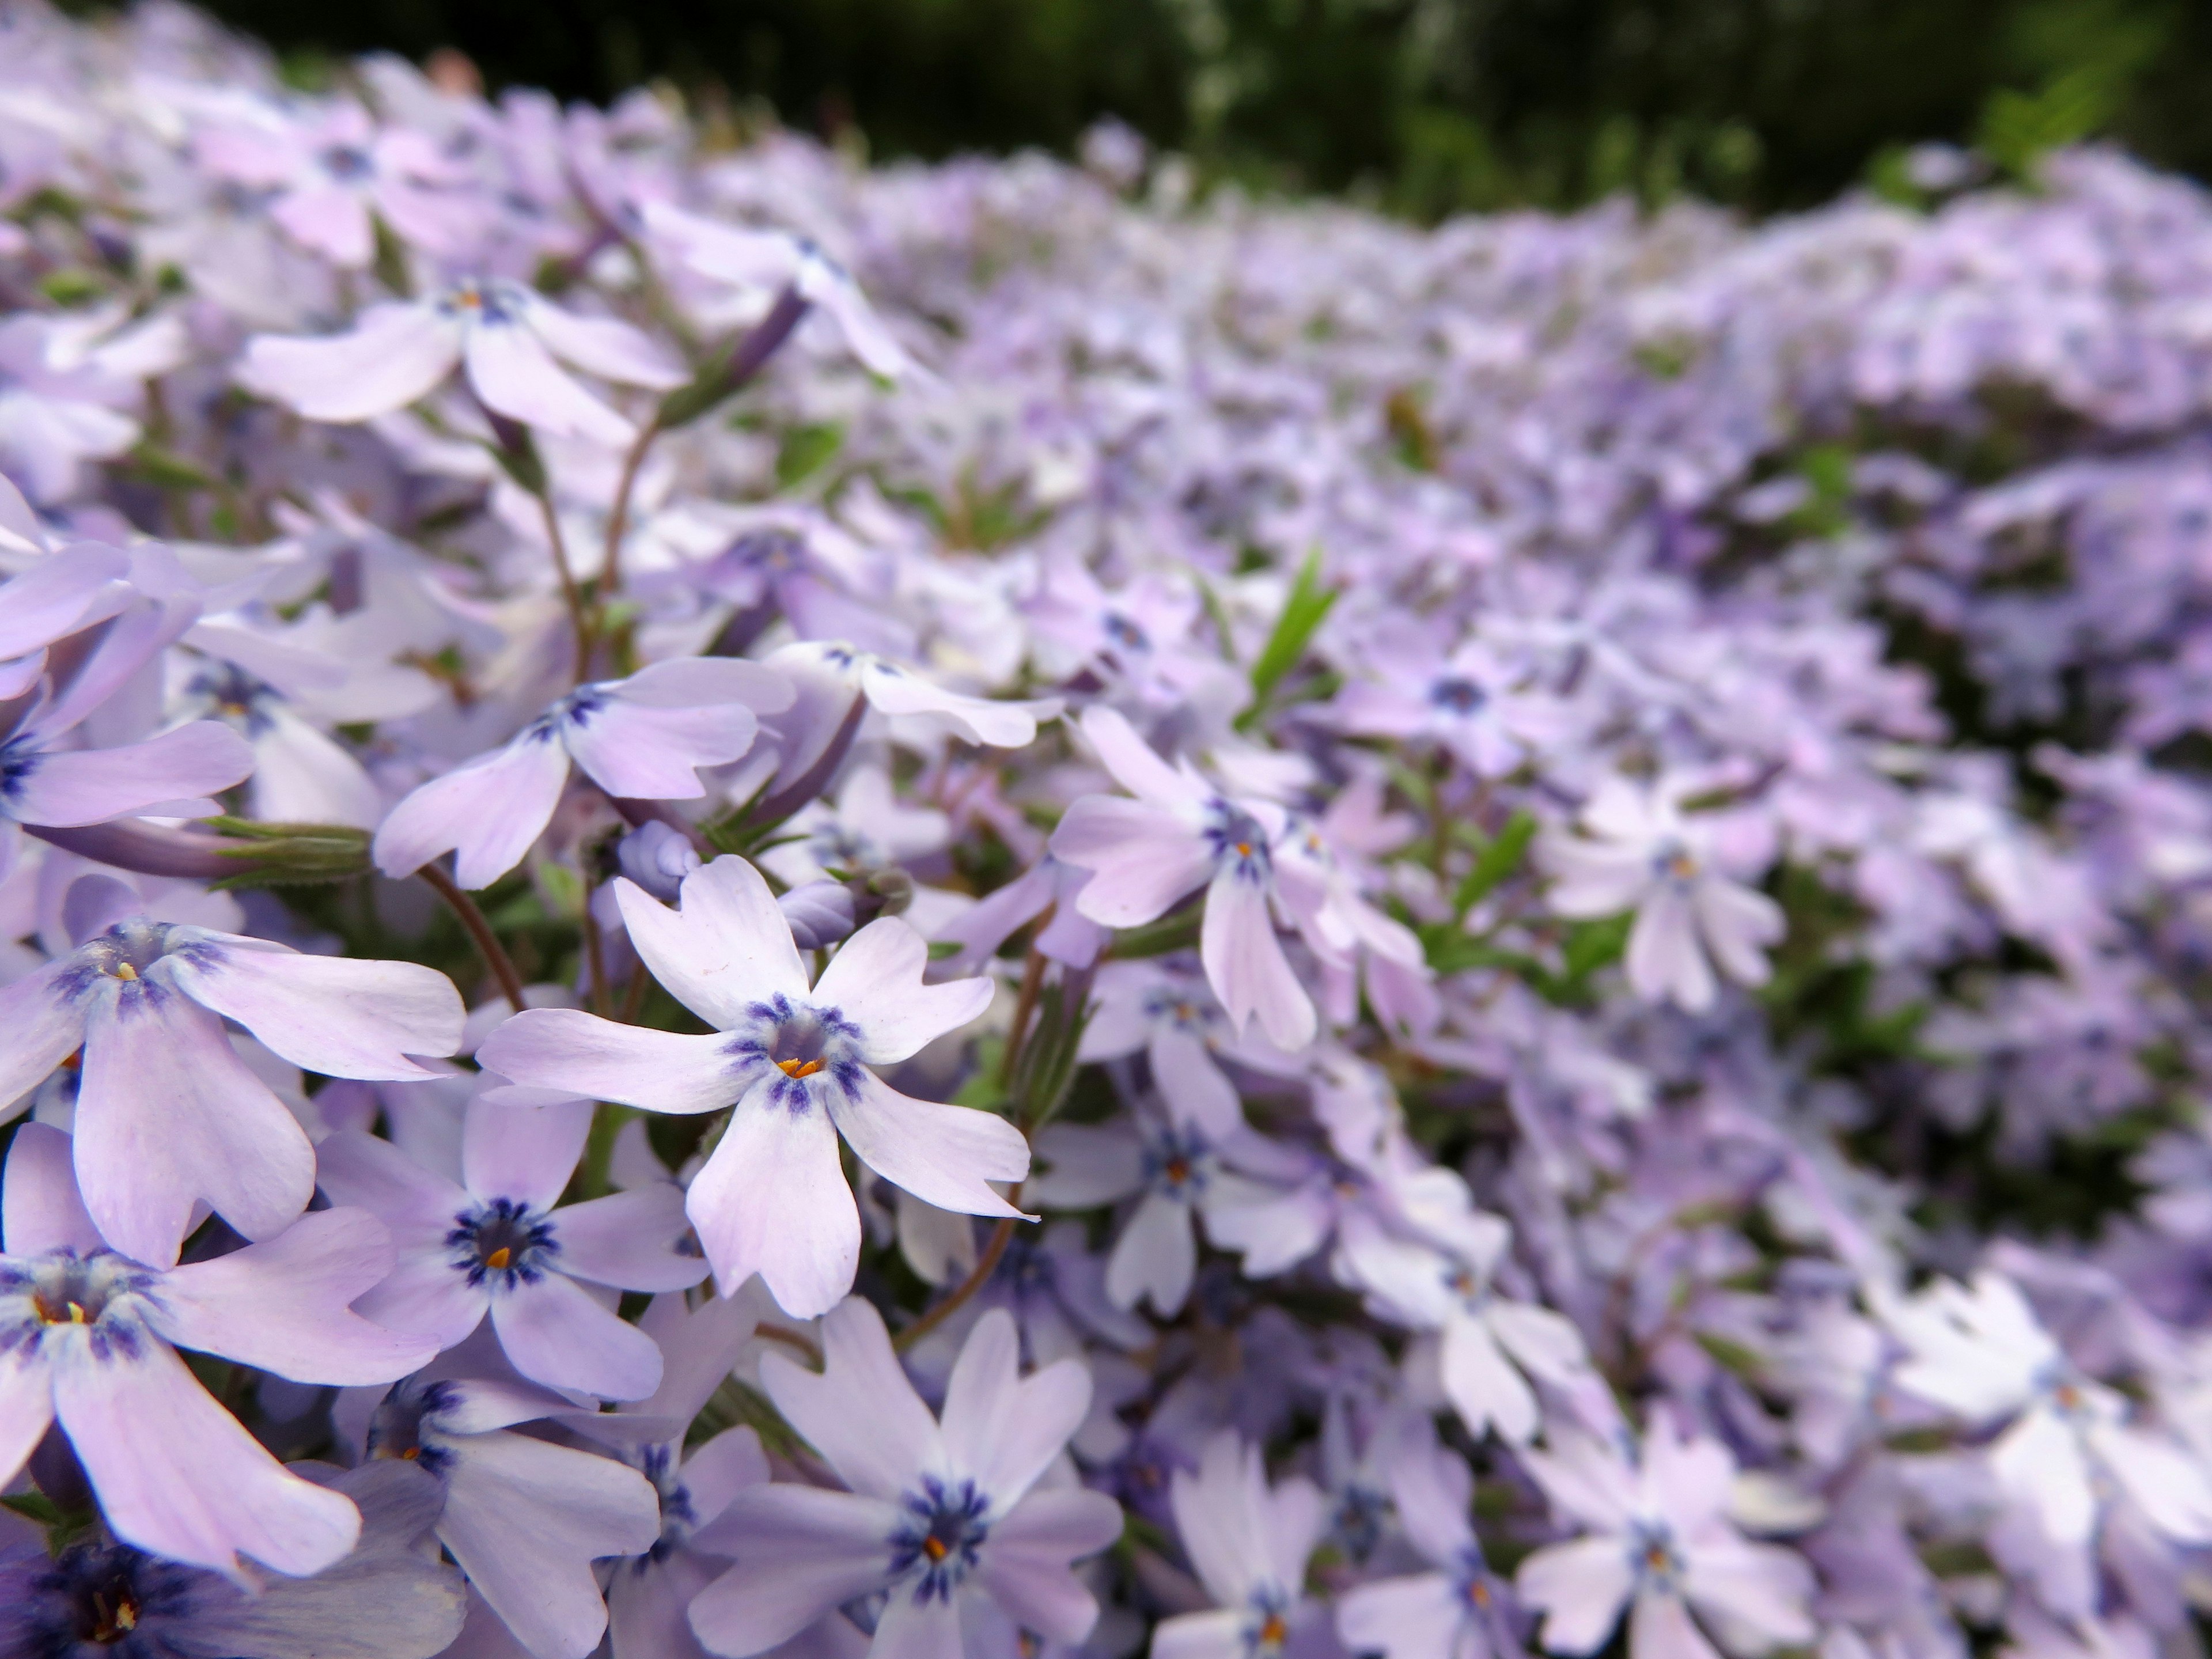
x: 801, y: 1067
x: 500, y: 1257
x: 935, y: 1548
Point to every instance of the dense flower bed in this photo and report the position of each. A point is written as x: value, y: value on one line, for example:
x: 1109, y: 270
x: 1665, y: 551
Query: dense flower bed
x: 1509, y: 925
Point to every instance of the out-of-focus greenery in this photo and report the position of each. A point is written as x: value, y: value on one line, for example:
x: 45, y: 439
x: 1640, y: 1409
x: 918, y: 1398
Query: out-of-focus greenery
x: 1426, y: 106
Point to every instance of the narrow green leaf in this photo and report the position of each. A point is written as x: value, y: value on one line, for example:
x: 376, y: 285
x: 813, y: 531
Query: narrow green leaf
x: 1303, y: 611
x: 805, y: 450
x: 1496, y: 862
x: 1591, y: 946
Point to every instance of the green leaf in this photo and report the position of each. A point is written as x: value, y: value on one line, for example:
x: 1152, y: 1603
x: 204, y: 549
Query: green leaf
x: 169, y: 470
x: 942, y: 949
x: 1303, y: 611
x: 1175, y: 932
x: 71, y: 287
x: 1496, y: 862
x: 805, y: 450
x: 290, y: 854
x: 1733, y: 1355
x: 1591, y: 946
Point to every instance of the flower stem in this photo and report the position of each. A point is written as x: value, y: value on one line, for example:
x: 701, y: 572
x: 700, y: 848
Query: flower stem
x: 618, y: 519
x: 985, y: 1265
x: 494, y: 953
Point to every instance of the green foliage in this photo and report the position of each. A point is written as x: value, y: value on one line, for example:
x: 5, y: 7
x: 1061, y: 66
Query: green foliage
x: 1303, y: 611
x: 1497, y: 860
x: 805, y: 450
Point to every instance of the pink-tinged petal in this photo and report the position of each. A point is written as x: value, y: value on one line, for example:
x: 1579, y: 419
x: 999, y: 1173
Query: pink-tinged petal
x: 875, y: 982
x: 644, y: 753
x: 26, y: 1406
x: 364, y: 1172
x: 41, y: 1024
x: 1136, y: 766
x: 332, y: 221
x: 1545, y: 1343
x: 859, y: 1412
x: 1245, y: 964
x: 605, y: 346
x: 334, y: 1015
x: 801, y: 1552
x: 941, y: 1154
x: 579, y: 1053
x: 168, y: 1115
x: 177, y: 1475
x: 773, y: 1200
x: 395, y: 353
x: 910, y: 1627
x: 698, y: 681
x: 41, y: 1209
x: 1156, y: 1257
x: 1579, y: 1588
x: 514, y: 375
x: 1660, y: 1627
x: 1142, y: 858
x: 891, y: 689
x: 1665, y: 960
x: 281, y: 1306
x: 486, y: 812
x: 1216, y: 1635
x: 426, y: 1295
x: 525, y: 1520
x: 636, y: 1240
x: 554, y: 1333
x: 1000, y: 1428
x: 1761, y: 1587
x: 1024, y: 1565
x: 726, y: 946
x: 1219, y: 1515
x: 1196, y: 1092
x: 1736, y: 923
x: 526, y: 1153
x: 66, y: 789
x: 1483, y: 1388
x: 1592, y: 878
x: 1087, y: 1165
x: 1411, y: 1617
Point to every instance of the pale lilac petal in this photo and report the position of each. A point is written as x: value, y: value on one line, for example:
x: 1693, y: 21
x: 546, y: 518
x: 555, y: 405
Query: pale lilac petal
x: 1546, y: 1343
x: 1024, y: 1565
x: 1432, y: 1490
x: 1415, y: 1618
x: 605, y: 346
x: 555, y: 1333
x: 875, y: 982
x: 2038, y: 1460
x: 177, y: 1475
x: 526, y: 1153
x: 167, y: 1114
x: 335, y: 1014
x: 395, y: 355
x: 40, y: 1210
x: 1142, y: 858
x: 41, y: 1024
x: 912, y: 1628
x: 66, y: 789
x: 26, y: 1407
x: 332, y: 221
x: 1761, y: 1587
x: 1196, y: 1092
x: 801, y: 1552
x: 281, y: 1306
x: 1218, y: 1514
x: 1156, y: 1257
x: 1660, y: 1627
x: 636, y: 1240
x: 1216, y: 1635
x: 568, y: 1049
x: 941, y: 1154
x: 56, y: 596
x: 1088, y: 1164
x: 1664, y: 958
x: 526, y: 1519
x: 773, y: 1200
x: 859, y: 1412
x: 894, y: 690
x: 643, y: 753
x: 726, y: 945
x: 514, y: 375
x: 486, y: 812
x: 368, y: 1173
x: 1579, y: 1587
x: 1736, y: 923
x: 1482, y: 1386
x: 426, y: 1295
x: 1135, y: 764
x: 1001, y: 1428
x: 1245, y: 964
x: 718, y: 1471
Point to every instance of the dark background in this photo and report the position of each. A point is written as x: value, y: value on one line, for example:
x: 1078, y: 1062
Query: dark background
x: 1423, y: 105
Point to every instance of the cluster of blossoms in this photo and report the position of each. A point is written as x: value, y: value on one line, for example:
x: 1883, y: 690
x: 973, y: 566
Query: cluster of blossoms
x: 1510, y: 926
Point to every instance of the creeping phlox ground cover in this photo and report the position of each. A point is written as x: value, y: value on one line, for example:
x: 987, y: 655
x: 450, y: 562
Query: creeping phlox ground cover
x: 990, y: 909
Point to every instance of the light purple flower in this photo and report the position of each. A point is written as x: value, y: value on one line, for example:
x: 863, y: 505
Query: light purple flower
x: 1472, y: 703
x: 508, y: 336
x: 1459, y: 1609
x: 644, y: 738
x: 1248, y: 1542
x: 940, y: 1512
x: 496, y: 1243
x: 794, y: 1063
x: 1178, y: 836
x: 167, y: 1116
x: 1657, y: 1542
x: 1642, y: 854
x: 85, y: 1340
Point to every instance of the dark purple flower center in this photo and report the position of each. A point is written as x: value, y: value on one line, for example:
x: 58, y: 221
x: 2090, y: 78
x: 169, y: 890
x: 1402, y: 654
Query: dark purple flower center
x: 940, y: 1536
x: 504, y: 1244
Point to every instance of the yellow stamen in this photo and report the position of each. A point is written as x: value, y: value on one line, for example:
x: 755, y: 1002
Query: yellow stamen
x: 125, y: 970
x: 1243, y: 849
x: 935, y: 1548
x: 112, y: 1624
x: 801, y: 1067
x: 77, y: 1313
x: 500, y: 1257
x: 1274, y: 1632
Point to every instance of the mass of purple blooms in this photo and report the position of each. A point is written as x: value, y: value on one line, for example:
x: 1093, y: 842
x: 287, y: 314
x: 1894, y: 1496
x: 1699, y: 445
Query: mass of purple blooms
x: 967, y: 912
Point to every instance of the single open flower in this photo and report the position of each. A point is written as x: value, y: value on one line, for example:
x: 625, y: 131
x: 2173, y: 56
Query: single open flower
x: 792, y: 1063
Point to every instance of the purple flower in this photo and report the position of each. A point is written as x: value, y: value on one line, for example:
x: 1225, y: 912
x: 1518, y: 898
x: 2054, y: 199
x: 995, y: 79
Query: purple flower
x: 644, y: 739
x: 1248, y: 1543
x: 507, y: 336
x: 1178, y: 836
x: 1459, y: 1609
x: 88, y: 1338
x: 496, y: 1243
x: 793, y: 1064
x: 525, y: 1518
x: 167, y: 1116
x: 940, y: 1512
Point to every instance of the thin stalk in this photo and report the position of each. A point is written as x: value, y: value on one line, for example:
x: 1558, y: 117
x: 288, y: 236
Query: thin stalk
x: 985, y: 1265
x: 494, y: 953
x: 595, y: 958
x: 571, y: 594
x: 618, y: 520
x: 1024, y: 1009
